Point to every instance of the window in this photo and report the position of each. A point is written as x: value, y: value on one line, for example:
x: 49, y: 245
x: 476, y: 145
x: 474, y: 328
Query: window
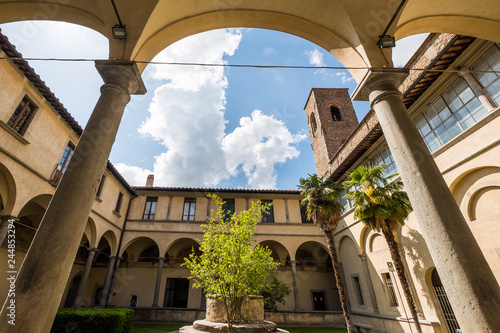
x: 384, y: 156
x: 450, y: 114
x: 335, y: 113
x: 393, y: 300
x: 268, y: 217
x: 119, y: 202
x: 314, y: 125
x: 490, y: 61
x: 150, y: 208
x: 189, y: 209
x: 228, y: 208
x: 21, y: 118
x: 343, y: 201
x: 101, y: 185
x: 68, y: 153
x: 303, y: 215
x: 357, y: 290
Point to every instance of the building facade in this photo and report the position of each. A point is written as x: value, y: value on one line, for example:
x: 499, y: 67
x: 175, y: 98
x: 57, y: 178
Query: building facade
x: 136, y: 237
x: 454, y: 101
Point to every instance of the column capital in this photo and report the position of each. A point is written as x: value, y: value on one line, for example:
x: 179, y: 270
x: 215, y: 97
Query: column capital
x: 123, y: 74
x: 362, y: 256
x: 388, y: 79
x: 93, y: 249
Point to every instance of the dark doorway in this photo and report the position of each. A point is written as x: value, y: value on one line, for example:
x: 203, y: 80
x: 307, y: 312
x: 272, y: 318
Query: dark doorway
x: 70, y: 299
x: 176, y: 293
x: 319, y: 300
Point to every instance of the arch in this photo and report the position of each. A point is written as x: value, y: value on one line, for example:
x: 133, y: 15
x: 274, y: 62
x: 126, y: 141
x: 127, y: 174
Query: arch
x: 474, y: 189
x: 110, y: 237
x: 342, y: 241
x: 30, y: 217
x: 313, y: 123
x: 312, y: 254
x: 91, y: 232
x: 73, y: 287
x: 363, y: 239
x: 343, y: 43
x: 135, y: 246
x: 179, y: 248
x: 279, y: 252
x: 7, y: 191
x: 335, y: 113
x: 464, y: 18
x: 64, y: 12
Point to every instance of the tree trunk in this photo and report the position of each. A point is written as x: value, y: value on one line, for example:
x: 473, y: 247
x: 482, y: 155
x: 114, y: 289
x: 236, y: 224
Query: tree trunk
x: 338, y: 277
x: 398, y: 264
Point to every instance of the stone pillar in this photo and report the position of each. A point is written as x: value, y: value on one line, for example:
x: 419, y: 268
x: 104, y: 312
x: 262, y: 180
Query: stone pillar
x: 113, y: 280
x: 469, y: 282
x: 478, y: 90
x: 44, y: 274
x: 158, y: 282
x: 83, y: 282
x: 107, y: 281
x: 369, y: 282
x: 295, y: 287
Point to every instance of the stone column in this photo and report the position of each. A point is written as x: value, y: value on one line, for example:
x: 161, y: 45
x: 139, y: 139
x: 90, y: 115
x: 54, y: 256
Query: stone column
x: 83, y: 282
x: 113, y: 280
x: 369, y: 281
x: 158, y: 282
x: 44, y: 274
x: 478, y: 90
x: 469, y: 282
x: 107, y: 281
x: 295, y: 287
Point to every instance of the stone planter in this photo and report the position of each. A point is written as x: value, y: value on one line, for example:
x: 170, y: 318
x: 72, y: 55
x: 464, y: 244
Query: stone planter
x: 252, y: 310
x: 250, y: 321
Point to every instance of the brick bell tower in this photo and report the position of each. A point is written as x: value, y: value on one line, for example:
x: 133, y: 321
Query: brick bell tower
x: 331, y: 119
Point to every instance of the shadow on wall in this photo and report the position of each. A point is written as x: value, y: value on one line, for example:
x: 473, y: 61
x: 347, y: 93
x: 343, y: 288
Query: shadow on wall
x: 417, y: 251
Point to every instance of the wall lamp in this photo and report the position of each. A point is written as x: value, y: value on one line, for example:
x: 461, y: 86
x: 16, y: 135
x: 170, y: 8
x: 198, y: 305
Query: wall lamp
x: 119, y: 31
x: 385, y: 41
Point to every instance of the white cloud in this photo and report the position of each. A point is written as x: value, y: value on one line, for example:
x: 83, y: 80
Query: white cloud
x: 405, y: 48
x: 134, y: 175
x: 315, y: 58
x: 258, y: 144
x: 186, y: 116
x: 269, y: 51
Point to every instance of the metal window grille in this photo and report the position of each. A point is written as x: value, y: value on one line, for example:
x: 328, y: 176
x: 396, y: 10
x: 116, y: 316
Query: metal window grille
x: 390, y: 287
x: 449, y: 315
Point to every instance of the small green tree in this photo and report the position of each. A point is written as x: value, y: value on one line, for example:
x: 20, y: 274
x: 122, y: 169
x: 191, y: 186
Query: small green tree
x: 277, y: 293
x: 230, y: 268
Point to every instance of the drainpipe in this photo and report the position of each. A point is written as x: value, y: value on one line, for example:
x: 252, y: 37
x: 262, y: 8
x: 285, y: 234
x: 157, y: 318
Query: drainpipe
x: 117, y: 263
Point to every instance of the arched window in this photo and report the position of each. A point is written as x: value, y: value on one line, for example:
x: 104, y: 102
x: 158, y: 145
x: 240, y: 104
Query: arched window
x: 335, y: 113
x: 314, y: 125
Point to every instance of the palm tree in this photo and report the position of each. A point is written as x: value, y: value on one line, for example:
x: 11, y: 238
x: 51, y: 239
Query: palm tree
x: 382, y: 205
x: 320, y: 198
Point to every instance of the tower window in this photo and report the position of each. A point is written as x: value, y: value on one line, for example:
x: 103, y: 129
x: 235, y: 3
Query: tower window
x: 314, y: 125
x: 335, y: 113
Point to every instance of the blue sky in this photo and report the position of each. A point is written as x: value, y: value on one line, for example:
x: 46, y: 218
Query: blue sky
x: 201, y: 126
